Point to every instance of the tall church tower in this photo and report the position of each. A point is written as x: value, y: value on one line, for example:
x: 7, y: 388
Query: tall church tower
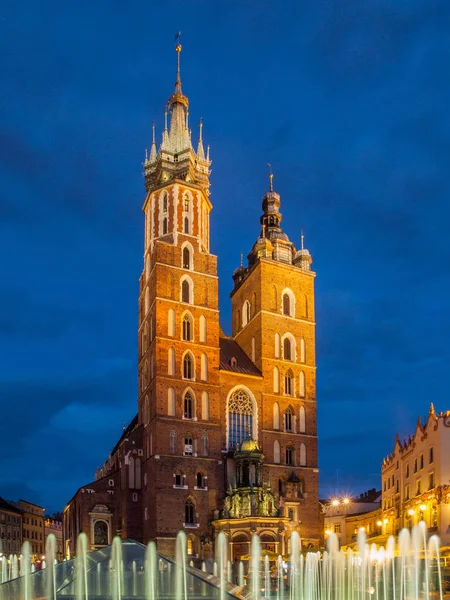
x: 178, y: 364
x: 274, y: 323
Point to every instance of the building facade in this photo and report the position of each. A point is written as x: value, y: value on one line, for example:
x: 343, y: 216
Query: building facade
x: 10, y: 528
x: 416, y: 479
x: 33, y: 527
x: 183, y: 463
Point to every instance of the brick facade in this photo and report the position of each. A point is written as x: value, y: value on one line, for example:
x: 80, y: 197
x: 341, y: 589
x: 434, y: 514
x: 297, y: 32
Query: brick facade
x: 189, y: 372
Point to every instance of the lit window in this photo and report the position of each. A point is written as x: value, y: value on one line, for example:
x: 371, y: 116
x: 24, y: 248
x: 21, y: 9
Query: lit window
x: 188, y: 367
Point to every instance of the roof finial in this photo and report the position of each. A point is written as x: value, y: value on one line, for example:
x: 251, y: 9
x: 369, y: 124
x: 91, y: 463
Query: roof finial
x: 153, y: 153
x: 153, y: 133
x: 200, y: 138
x: 242, y: 258
x: 165, y: 120
x: 207, y: 153
x: 270, y: 177
x: 432, y: 409
x: 302, y: 239
x: 200, y: 149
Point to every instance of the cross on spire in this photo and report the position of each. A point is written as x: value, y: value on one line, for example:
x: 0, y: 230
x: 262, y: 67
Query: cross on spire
x: 270, y: 177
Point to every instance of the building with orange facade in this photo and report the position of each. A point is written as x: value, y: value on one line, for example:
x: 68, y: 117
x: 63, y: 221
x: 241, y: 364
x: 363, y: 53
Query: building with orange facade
x: 225, y: 437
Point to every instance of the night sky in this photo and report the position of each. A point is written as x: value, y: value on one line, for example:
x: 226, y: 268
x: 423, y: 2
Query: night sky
x: 349, y: 101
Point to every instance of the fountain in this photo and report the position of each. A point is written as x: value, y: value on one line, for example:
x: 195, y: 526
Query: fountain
x: 406, y: 569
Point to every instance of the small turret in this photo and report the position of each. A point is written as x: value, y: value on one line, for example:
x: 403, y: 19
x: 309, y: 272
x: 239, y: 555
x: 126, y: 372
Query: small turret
x: 302, y: 257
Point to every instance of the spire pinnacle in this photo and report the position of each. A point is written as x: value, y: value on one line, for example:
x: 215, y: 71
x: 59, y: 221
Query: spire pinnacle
x: 270, y: 177
x: 200, y: 149
x: 153, y: 153
x: 177, y: 96
x: 302, y: 239
x: 242, y: 259
x: 165, y: 120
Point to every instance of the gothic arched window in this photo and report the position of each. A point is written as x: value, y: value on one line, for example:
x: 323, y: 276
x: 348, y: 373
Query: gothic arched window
x: 165, y: 226
x: 186, y: 258
x: 189, y: 409
x: 287, y: 349
x: 286, y: 305
x: 276, y: 415
x: 186, y: 225
x: 188, y: 366
x: 245, y: 313
x: 302, y: 455
x: 302, y: 385
x: 276, y: 452
x: 186, y: 203
x: 200, y: 480
x: 288, y: 421
x: 289, y: 383
x: 188, y: 445
x: 189, y: 513
x: 165, y: 203
x: 302, y: 421
x: 240, y: 417
x: 185, y: 291
x: 187, y: 328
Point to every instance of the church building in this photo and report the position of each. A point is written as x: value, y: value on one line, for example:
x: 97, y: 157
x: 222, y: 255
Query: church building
x: 225, y: 436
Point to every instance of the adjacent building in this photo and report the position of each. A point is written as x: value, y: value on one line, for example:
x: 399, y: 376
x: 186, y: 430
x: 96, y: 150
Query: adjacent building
x: 225, y: 437
x: 345, y: 516
x: 33, y: 527
x: 416, y: 478
x: 10, y: 528
x: 53, y: 527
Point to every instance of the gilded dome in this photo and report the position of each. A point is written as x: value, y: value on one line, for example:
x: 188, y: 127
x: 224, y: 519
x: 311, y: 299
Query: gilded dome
x: 249, y: 445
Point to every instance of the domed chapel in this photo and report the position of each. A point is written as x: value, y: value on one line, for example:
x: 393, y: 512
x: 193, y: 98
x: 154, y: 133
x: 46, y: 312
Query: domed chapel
x: 225, y: 434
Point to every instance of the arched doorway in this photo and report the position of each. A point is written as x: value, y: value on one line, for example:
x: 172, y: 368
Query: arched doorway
x: 240, y: 546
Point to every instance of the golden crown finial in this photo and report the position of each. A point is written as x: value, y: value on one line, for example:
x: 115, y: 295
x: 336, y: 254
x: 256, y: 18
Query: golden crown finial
x: 178, y: 46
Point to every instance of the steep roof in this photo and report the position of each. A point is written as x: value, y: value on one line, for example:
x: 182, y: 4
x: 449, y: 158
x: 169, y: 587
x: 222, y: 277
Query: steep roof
x: 229, y: 350
x: 126, y: 432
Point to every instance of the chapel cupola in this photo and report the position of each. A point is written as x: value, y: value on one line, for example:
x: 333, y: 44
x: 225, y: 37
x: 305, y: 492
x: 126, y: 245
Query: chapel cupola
x: 176, y: 158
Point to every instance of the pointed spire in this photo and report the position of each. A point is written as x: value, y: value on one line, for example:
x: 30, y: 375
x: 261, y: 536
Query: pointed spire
x: 200, y: 150
x: 178, y: 96
x: 432, y: 409
x: 242, y: 259
x: 302, y: 239
x: 153, y: 149
x: 207, y: 153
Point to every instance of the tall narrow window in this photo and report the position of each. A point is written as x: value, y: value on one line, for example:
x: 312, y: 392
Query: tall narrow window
x: 431, y: 456
x: 286, y: 304
x: 185, y: 292
x: 245, y: 313
x: 189, y: 513
x: 187, y: 328
x: 289, y: 383
x: 302, y: 420
x: 276, y: 452
x: 186, y: 225
x: 188, y: 406
x: 202, y: 329
x: 186, y: 203
x: 302, y: 351
x: 277, y: 345
x: 186, y: 258
x: 288, y: 421
x: 204, y: 367
x: 302, y: 455
x: 276, y: 380
x: 205, y: 444
x: 165, y: 203
x: 287, y: 349
x: 173, y: 441
x: 165, y: 227
x: 289, y: 455
x: 200, y: 480
x: 188, y: 367
x: 171, y: 402
x: 302, y: 385
x: 205, y: 406
x: 171, y: 322
x: 171, y: 362
x: 276, y: 415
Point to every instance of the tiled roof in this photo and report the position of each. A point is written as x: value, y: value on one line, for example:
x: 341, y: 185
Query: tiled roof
x: 229, y: 350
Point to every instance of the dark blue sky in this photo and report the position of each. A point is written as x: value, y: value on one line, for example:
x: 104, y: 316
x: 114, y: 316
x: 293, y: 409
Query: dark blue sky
x: 348, y: 99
